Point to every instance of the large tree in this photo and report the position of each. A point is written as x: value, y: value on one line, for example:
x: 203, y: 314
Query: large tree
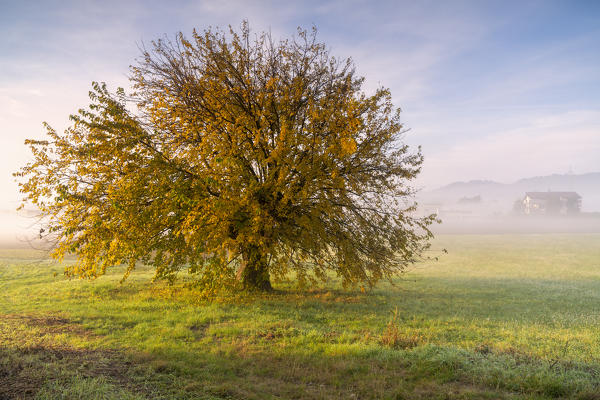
x: 234, y: 156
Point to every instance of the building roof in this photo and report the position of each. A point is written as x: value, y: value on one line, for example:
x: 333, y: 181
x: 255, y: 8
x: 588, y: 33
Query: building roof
x: 552, y: 195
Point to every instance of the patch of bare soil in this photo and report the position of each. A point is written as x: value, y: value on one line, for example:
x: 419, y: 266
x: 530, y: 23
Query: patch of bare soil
x: 49, y: 324
x: 29, y: 358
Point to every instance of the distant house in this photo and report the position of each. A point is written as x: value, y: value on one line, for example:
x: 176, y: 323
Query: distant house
x: 551, y: 203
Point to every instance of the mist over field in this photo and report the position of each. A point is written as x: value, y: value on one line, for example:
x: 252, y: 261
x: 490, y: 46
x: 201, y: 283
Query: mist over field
x: 472, y: 206
x: 484, y: 206
x: 18, y: 229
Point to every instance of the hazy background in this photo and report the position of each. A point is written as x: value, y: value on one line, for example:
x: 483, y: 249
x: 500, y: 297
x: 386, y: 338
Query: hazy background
x: 494, y: 91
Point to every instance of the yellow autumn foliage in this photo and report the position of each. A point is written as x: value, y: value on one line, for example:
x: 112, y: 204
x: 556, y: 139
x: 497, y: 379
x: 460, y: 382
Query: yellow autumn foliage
x: 234, y: 155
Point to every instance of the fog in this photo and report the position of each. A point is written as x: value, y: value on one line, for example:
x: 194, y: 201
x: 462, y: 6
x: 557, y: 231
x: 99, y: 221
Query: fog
x: 468, y: 207
x: 19, y: 229
x: 517, y: 225
x: 492, y: 207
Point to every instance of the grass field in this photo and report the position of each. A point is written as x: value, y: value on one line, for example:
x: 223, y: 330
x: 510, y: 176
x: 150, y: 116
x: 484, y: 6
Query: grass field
x: 499, y: 316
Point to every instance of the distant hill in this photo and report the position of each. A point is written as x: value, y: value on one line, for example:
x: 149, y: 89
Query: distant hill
x: 499, y: 197
x: 583, y: 184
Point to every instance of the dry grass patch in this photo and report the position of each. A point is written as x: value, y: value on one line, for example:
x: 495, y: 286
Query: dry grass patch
x: 394, y: 338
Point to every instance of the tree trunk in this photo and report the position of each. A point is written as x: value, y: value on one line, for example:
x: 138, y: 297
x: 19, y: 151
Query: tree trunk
x: 255, y: 273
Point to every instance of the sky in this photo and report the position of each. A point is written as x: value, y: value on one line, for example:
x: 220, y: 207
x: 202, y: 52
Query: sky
x: 496, y: 90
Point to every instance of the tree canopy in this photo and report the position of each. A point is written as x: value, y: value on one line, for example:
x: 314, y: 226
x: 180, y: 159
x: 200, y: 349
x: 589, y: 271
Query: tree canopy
x: 234, y: 156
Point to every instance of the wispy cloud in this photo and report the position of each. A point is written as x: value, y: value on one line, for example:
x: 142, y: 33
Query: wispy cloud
x: 543, y: 145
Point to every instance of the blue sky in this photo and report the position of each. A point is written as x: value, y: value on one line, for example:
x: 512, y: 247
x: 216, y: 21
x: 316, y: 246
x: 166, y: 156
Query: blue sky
x: 491, y: 90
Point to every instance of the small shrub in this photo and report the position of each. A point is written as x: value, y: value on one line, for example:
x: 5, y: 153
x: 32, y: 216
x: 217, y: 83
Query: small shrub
x: 392, y: 336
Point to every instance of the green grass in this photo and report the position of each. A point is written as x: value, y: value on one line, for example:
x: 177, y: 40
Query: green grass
x: 499, y: 316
